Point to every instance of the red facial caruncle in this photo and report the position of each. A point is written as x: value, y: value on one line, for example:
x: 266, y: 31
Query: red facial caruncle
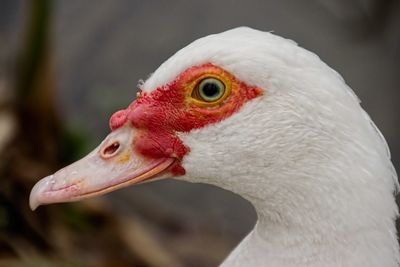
x: 179, y: 106
x: 143, y: 144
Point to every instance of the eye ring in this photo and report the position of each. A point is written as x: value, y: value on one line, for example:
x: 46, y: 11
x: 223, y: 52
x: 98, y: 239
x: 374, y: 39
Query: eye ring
x: 209, y: 90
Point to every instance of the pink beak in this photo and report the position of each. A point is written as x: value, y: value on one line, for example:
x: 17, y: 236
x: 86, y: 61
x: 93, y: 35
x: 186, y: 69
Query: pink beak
x: 112, y: 165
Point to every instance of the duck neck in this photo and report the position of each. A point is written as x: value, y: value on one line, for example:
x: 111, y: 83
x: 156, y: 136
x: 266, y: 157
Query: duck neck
x: 332, y: 227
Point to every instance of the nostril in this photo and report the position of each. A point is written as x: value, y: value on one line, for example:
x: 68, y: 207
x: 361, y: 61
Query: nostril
x: 110, y: 150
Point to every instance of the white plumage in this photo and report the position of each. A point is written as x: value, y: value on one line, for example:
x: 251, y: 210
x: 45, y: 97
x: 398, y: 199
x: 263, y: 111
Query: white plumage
x: 305, y: 154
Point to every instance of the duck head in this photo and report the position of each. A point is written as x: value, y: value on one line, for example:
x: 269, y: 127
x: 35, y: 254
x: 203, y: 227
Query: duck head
x: 244, y: 110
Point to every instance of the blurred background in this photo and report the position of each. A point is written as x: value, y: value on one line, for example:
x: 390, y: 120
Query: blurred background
x: 66, y: 66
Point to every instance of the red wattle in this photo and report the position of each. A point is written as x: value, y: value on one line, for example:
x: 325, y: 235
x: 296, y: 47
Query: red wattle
x: 118, y: 119
x: 158, y: 115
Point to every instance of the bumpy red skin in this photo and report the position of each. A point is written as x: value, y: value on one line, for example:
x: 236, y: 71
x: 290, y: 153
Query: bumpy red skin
x: 158, y: 115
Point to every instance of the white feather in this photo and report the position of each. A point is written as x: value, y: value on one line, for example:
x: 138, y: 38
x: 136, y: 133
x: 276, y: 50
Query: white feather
x: 305, y: 154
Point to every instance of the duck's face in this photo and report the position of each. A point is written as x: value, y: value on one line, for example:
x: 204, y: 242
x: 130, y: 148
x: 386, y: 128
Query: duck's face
x: 146, y: 140
x: 227, y: 109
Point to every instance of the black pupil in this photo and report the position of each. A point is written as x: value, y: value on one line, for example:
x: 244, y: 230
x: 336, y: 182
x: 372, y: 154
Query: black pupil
x: 211, y: 89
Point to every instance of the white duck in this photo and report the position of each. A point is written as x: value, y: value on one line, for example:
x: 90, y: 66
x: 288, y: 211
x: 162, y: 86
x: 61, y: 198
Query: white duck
x: 255, y: 114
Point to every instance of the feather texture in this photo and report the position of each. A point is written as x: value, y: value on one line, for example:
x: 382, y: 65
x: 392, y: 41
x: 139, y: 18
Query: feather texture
x: 305, y: 154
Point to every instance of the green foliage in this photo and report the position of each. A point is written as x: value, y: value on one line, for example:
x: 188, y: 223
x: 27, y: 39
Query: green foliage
x: 76, y: 218
x: 73, y: 145
x: 36, y: 47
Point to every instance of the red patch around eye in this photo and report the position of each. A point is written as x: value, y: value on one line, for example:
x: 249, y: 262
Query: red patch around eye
x: 158, y: 115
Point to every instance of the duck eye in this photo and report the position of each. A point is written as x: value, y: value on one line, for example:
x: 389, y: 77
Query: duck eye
x: 209, y: 90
